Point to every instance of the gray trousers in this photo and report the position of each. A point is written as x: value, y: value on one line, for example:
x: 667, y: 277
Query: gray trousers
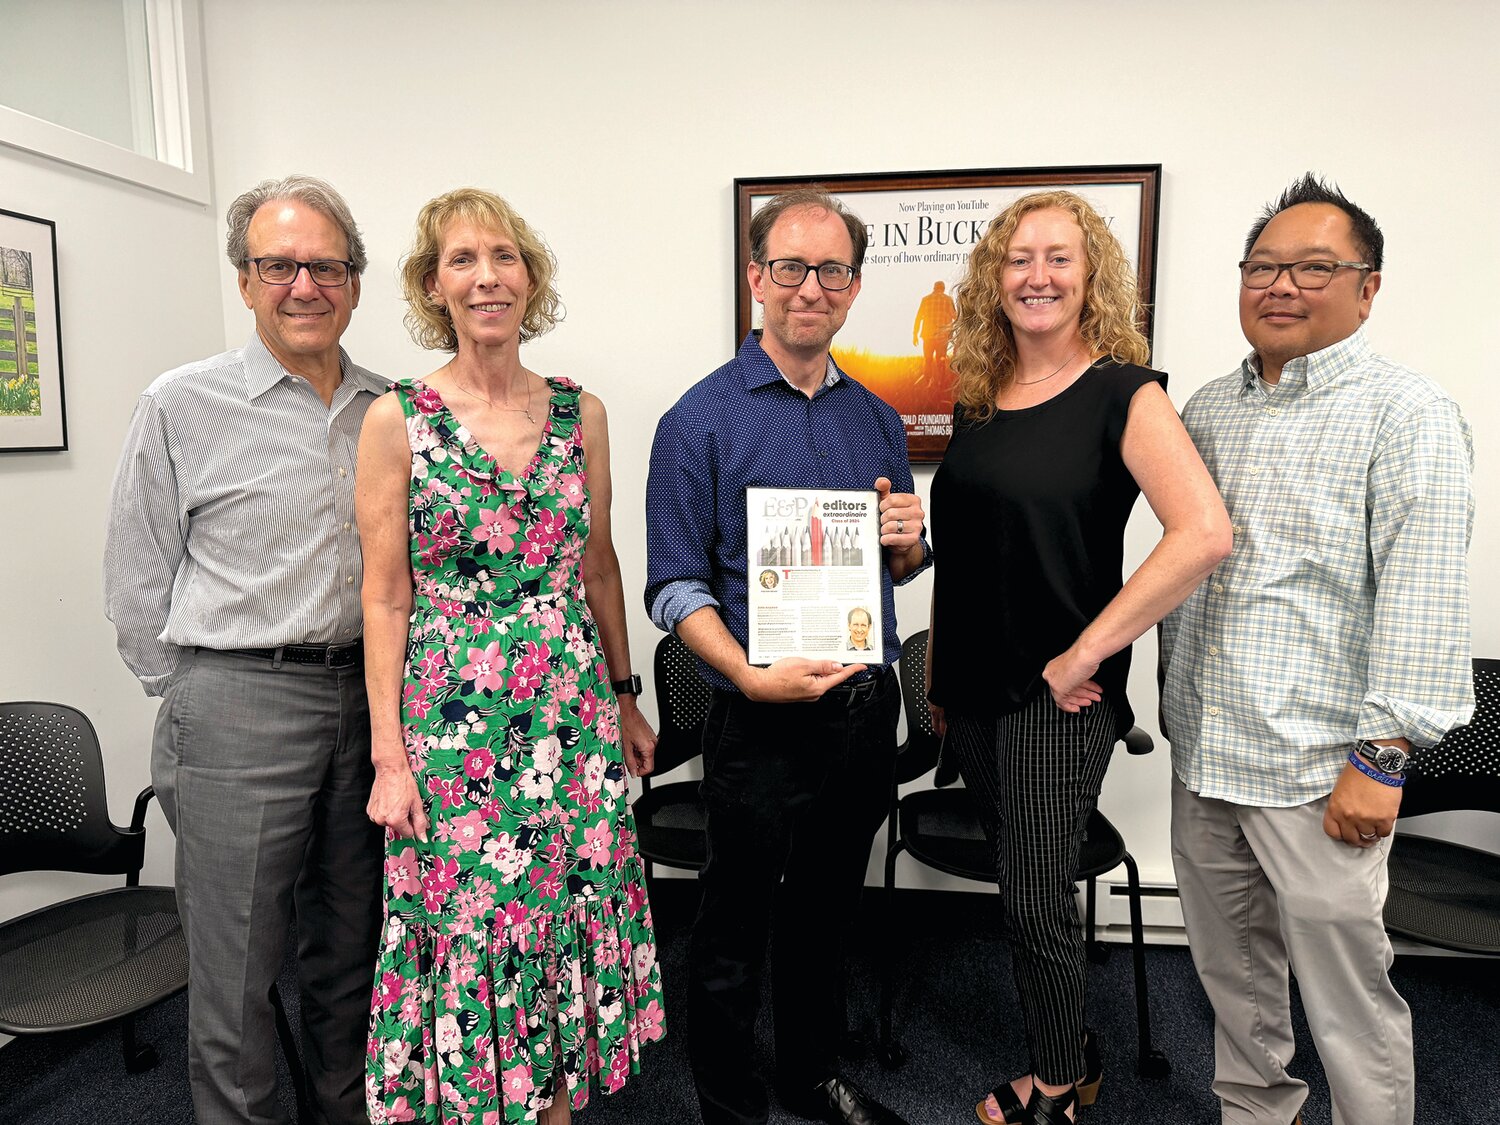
x: 263, y: 771
x: 1264, y: 890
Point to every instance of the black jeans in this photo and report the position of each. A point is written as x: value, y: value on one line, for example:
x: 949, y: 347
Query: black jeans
x: 795, y: 794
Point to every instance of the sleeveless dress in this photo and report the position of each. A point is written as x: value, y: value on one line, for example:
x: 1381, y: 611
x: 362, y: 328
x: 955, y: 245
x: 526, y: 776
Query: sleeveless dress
x: 518, y: 950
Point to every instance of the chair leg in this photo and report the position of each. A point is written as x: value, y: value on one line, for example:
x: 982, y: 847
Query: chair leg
x: 1149, y: 1061
x: 1098, y: 952
x: 138, y: 1057
x: 289, y: 1049
x: 890, y: 1053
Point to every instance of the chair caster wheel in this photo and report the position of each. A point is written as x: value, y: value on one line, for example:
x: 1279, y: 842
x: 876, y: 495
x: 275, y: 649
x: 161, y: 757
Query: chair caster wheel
x: 891, y: 1056
x: 1154, y: 1064
x: 142, y: 1060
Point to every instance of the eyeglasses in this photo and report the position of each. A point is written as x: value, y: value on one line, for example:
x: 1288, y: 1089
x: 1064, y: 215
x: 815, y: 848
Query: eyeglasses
x: 1305, y: 275
x: 833, y: 276
x: 329, y: 273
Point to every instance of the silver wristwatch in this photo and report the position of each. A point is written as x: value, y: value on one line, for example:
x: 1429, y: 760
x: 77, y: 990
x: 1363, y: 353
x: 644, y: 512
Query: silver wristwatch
x: 1390, y: 760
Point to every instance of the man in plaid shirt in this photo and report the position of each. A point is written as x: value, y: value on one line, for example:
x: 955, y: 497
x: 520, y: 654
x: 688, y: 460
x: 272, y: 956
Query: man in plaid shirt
x: 1331, y: 642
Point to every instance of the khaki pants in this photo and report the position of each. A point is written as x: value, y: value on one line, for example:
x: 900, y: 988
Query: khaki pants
x: 1264, y: 890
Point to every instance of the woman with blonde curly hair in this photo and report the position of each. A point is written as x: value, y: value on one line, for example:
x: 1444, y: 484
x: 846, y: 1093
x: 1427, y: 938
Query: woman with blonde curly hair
x: 517, y: 965
x: 1057, y: 429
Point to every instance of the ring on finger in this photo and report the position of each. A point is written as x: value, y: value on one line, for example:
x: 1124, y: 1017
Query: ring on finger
x: 900, y: 527
x: 1369, y: 836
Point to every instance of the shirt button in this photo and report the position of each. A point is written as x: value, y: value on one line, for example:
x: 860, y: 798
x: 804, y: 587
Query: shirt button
x: 349, y: 580
x: 346, y: 525
x: 1254, y: 470
x: 343, y: 472
x: 1218, y: 589
x: 1238, y: 529
x: 1213, y: 710
x: 1272, y: 410
x: 1213, y: 650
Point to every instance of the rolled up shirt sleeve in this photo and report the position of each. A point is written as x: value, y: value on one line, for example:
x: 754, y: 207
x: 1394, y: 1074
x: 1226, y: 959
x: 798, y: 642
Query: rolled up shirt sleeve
x: 1421, y: 520
x: 681, y: 523
x: 145, y: 541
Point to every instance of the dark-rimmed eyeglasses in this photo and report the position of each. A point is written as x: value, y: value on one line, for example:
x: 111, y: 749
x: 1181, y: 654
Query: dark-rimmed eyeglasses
x: 1314, y: 274
x: 330, y: 273
x: 833, y: 276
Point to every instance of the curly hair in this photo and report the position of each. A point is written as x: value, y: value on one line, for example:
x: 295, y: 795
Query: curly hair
x: 429, y: 323
x: 984, y: 343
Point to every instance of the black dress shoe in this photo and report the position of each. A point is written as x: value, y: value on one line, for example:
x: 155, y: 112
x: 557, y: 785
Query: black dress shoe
x: 840, y: 1102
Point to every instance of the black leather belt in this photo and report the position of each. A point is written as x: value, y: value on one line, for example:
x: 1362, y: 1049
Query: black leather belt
x: 871, y: 682
x: 326, y: 656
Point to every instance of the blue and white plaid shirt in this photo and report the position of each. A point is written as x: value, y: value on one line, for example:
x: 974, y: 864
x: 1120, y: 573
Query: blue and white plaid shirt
x: 1343, y: 610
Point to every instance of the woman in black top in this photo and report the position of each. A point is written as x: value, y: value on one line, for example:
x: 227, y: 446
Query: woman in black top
x: 1056, y: 431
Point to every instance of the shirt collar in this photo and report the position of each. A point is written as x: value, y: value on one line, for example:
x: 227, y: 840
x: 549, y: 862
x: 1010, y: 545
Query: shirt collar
x: 262, y: 371
x: 760, y: 370
x: 1309, y: 372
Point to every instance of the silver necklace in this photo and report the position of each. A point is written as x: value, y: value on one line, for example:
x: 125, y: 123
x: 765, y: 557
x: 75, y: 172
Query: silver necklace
x: 526, y: 410
x: 1044, y: 378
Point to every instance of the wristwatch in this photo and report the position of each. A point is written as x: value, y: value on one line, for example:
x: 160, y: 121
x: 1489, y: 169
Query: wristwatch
x: 1387, y: 759
x: 630, y: 685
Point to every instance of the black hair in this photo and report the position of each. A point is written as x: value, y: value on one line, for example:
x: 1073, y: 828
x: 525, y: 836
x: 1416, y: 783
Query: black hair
x: 1310, y: 189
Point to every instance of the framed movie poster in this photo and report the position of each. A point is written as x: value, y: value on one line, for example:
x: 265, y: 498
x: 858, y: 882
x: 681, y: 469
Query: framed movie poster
x: 922, y: 226
x: 31, y: 382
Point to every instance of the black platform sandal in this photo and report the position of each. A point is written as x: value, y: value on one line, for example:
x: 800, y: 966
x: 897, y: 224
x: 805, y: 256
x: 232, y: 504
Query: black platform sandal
x: 1093, y: 1070
x: 1044, y: 1109
x: 1012, y: 1112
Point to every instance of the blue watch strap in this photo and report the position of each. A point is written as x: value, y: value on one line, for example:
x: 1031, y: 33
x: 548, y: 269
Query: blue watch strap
x: 1370, y: 771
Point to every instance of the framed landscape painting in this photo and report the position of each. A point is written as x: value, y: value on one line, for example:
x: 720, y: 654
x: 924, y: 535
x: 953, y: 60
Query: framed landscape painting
x: 32, y: 415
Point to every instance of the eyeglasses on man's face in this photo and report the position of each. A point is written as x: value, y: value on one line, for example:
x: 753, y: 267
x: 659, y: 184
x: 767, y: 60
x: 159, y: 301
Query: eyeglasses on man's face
x: 1314, y: 274
x: 833, y: 276
x: 329, y: 273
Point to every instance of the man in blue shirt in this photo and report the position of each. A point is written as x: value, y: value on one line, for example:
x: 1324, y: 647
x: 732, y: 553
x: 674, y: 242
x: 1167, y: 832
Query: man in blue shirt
x: 797, y: 756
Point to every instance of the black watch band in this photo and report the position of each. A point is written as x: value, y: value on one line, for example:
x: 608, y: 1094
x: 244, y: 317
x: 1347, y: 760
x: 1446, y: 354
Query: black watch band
x: 1391, y: 760
x: 630, y: 685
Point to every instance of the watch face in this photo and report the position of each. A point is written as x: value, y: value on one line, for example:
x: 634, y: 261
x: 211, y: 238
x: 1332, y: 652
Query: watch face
x: 1390, y: 759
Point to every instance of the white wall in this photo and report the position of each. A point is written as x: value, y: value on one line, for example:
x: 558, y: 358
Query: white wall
x: 617, y: 129
x: 138, y: 280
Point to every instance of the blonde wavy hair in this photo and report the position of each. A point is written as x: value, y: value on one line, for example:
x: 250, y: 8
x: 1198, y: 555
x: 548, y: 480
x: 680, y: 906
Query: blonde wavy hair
x: 984, y: 344
x: 428, y: 321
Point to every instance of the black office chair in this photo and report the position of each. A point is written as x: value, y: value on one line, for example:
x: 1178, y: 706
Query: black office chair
x: 670, y: 820
x: 103, y: 956
x: 1447, y: 894
x: 940, y: 828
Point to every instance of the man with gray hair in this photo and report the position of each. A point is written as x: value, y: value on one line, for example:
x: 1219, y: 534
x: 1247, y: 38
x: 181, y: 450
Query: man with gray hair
x: 232, y: 574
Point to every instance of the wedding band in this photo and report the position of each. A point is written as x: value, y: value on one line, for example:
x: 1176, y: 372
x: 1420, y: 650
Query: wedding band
x: 1371, y: 836
x: 900, y: 527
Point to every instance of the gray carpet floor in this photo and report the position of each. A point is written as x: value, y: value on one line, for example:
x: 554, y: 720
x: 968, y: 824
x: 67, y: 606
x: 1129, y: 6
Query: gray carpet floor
x: 955, y: 1017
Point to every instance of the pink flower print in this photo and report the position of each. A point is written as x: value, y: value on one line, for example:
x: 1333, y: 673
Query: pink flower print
x: 552, y: 622
x: 548, y: 526
x: 432, y: 662
x: 388, y: 991
x: 484, y: 667
x: 551, y: 712
x: 401, y: 873
x: 448, y: 790
x: 479, y: 762
x: 427, y: 400
x: 547, y: 881
x: 469, y: 831
x: 570, y: 486
x: 596, y: 844
x: 480, y: 1079
x: 577, y: 792
x: 526, y: 674
x: 497, y: 527
x: 441, y: 878
x: 619, y: 1070
x: 650, y: 1022
x: 517, y: 1083
x: 537, y: 548
x: 588, y: 705
x: 635, y: 897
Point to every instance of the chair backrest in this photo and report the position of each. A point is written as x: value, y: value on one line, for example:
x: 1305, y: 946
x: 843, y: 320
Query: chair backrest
x: 53, y: 813
x: 682, y: 699
x: 919, y: 753
x: 1463, y: 770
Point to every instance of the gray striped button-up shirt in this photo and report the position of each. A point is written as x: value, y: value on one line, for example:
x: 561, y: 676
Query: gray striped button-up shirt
x: 231, y: 523
x: 1343, y: 610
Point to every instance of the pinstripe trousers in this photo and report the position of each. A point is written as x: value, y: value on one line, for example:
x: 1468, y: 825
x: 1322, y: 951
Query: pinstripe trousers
x: 1036, y: 775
